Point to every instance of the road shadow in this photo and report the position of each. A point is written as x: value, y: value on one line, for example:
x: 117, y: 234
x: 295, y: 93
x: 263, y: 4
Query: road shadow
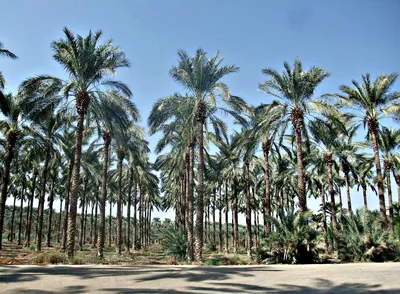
x: 11, y: 274
x: 193, y: 279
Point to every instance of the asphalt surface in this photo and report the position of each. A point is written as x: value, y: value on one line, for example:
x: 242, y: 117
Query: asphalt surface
x: 340, y: 278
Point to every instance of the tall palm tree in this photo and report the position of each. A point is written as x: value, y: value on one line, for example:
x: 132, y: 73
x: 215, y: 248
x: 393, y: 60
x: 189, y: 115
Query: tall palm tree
x: 88, y: 64
x: 266, y: 126
x: 327, y: 135
x: 48, y: 130
x: 368, y: 102
x: 389, y: 140
x: 201, y: 76
x: 18, y: 113
x: 296, y: 88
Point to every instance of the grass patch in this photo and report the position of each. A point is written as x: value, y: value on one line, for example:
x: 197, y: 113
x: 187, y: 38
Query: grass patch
x: 50, y: 258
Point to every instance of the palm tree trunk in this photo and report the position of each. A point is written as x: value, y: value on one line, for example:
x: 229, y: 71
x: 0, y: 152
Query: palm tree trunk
x: 42, y: 199
x: 346, y: 179
x: 49, y: 221
x: 200, y: 116
x: 388, y: 165
x: 12, y: 219
x: 128, y: 213
x: 83, y: 204
x: 373, y: 128
x: 140, y: 217
x: 213, y: 217
x: 267, y: 201
x: 235, y: 220
x: 96, y: 232
x: 21, y: 211
x: 220, y: 220
x: 248, y: 209
x: 10, y: 144
x: 102, y: 225
x: 364, y: 188
x: 135, y: 192
x: 29, y: 222
x: 121, y: 155
x: 329, y: 160
x: 397, y: 179
x: 324, y: 225
x: 59, y: 222
x: 340, y: 200
x: 183, y: 203
x: 297, y: 121
x: 91, y: 223
x: 66, y: 207
x: 82, y: 101
x: 226, y: 220
x: 85, y: 222
x: 110, y: 224
x: 190, y: 191
x: 28, y: 210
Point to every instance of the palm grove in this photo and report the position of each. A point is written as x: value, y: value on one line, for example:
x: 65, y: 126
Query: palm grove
x: 78, y: 140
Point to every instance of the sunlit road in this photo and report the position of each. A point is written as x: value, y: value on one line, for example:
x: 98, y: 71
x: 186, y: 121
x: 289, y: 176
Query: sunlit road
x: 344, y: 278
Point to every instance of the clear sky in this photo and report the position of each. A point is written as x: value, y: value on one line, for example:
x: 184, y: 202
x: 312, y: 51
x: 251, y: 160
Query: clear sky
x: 347, y: 38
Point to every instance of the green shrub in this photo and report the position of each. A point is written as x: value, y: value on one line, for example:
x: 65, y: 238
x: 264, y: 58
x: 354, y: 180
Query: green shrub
x: 76, y: 260
x: 294, y: 241
x: 174, y: 243
x: 39, y: 259
x: 55, y: 258
x: 362, y: 238
x: 211, y: 245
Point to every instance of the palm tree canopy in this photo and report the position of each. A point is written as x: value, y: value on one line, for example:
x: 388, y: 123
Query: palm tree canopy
x: 294, y: 85
x: 370, y: 99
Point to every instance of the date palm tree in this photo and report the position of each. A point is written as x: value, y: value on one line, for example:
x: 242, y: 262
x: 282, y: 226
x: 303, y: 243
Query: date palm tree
x: 266, y: 127
x: 389, y: 140
x: 88, y: 64
x: 48, y: 132
x: 365, y: 177
x: 201, y: 77
x: 18, y: 112
x: 368, y: 101
x: 8, y: 54
x: 295, y: 87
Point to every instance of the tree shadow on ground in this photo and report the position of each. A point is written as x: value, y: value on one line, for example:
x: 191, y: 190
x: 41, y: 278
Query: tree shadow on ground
x: 177, y: 280
x: 10, y: 274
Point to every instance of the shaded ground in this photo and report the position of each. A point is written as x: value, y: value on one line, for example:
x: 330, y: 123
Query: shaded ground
x: 341, y: 278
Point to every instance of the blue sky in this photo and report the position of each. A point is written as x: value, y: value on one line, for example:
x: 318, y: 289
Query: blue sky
x: 347, y: 38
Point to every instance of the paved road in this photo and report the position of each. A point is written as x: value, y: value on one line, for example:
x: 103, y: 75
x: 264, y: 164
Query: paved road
x: 344, y: 278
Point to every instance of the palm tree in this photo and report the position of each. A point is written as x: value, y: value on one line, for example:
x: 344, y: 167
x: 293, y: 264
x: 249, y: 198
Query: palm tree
x: 246, y: 150
x: 365, y: 177
x: 296, y: 87
x: 389, y: 140
x: 48, y: 134
x: 368, y: 102
x: 201, y: 77
x: 18, y: 112
x: 327, y: 135
x: 4, y: 53
x: 88, y: 64
x: 267, y: 126
x: 175, y: 117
